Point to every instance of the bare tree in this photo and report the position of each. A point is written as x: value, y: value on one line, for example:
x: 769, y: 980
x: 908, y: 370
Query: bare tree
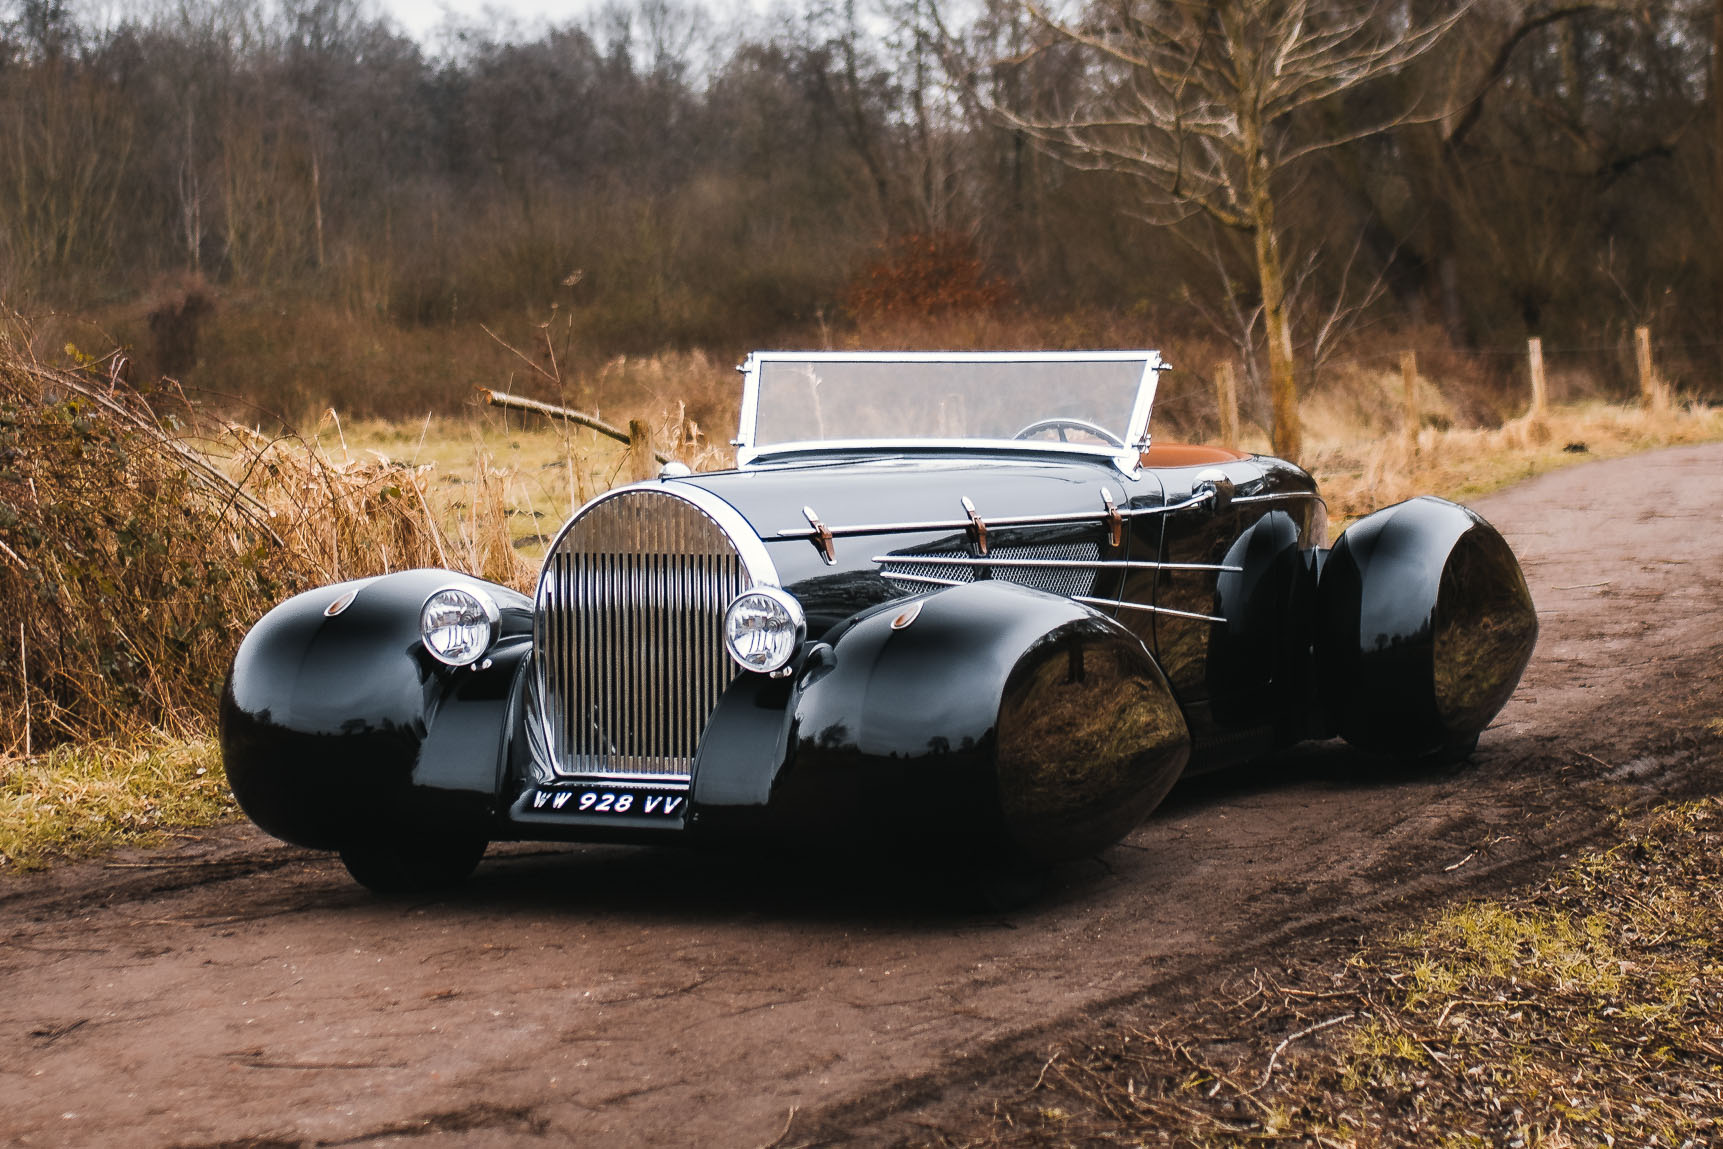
x: 1206, y: 103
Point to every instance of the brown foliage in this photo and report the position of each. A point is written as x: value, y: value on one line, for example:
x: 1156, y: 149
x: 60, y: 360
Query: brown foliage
x: 131, y: 564
x: 128, y: 567
x: 175, y: 321
x: 925, y: 273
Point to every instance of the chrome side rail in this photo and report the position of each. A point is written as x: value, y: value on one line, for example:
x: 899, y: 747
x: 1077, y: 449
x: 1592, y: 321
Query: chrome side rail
x: 821, y: 535
x: 1098, y: 564
x: 1087, y: 600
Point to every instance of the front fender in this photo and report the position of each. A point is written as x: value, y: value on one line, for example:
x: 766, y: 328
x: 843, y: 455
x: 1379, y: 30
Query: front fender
x: 985, y: 717
x: 334, y: 726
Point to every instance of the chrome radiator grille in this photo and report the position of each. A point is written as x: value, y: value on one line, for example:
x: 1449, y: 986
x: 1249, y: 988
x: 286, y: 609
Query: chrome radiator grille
x: 629, y: 635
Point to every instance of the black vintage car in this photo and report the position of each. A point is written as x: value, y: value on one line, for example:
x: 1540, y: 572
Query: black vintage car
x: 946, y: 604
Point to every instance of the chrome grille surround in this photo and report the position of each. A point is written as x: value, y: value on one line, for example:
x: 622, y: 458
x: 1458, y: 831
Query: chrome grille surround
x: 628, y: 632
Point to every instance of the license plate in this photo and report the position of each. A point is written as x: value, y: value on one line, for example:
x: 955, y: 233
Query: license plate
x: 600, y: 801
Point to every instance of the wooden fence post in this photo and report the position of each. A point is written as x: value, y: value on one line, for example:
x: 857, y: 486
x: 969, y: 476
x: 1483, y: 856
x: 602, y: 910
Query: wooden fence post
x: 1651, y: 391
x: 1540, y: 401
x: 1226, y: 401
x: 642, y: 458
x: 1409, y: 376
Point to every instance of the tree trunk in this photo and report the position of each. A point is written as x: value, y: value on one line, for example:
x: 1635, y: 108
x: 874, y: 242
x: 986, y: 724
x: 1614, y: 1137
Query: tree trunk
x: 1287, y: 433
x: 1717, y: 135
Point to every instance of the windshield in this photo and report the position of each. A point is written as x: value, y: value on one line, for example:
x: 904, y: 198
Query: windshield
x: 1093, y: 400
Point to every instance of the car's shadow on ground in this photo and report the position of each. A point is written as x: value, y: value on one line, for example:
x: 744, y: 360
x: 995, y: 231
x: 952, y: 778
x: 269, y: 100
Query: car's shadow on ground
x: 885, y: 887
x: 1330, y: 765
x: 692, y: 885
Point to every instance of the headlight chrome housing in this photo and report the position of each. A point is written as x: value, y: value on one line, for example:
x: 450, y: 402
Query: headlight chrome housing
x: 763, y: 628
x: 457, y: 624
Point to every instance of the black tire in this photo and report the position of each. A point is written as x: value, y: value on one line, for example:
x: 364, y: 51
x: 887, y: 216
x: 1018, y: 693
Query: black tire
x: 413, y: 865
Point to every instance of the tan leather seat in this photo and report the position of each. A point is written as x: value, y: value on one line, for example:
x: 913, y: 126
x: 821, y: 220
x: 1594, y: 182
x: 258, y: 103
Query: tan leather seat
x: 1188, y: 455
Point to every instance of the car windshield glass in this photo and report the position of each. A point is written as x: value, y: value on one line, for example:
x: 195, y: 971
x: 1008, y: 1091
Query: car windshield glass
x: 1073, y: 400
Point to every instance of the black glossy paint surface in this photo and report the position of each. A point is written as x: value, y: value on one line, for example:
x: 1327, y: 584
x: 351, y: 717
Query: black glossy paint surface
x: 1000, y: 719
x: 907, y: 489
x: 1424, y: 626
x: 331, y: 726
x: 989, y: 719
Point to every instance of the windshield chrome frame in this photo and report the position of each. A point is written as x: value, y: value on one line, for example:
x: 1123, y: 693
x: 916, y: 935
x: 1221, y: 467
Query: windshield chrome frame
x: 1126, y: 458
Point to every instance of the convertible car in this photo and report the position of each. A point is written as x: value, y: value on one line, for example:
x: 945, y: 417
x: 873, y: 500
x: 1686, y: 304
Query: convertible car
x: 952, y: 605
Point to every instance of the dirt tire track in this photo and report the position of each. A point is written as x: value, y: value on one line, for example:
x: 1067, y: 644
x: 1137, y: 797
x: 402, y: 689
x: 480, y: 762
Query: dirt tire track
x: 245, y: 993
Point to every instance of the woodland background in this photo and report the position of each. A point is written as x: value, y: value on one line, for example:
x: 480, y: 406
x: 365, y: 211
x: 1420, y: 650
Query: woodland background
x: 292, y: 206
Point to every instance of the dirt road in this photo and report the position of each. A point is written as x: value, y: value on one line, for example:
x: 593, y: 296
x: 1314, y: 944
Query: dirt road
x: 230, y: 990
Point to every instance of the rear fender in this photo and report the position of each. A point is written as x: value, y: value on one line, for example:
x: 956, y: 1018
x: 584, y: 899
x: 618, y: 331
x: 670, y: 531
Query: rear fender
x: 1424, y: 625
x: 1259, y: 657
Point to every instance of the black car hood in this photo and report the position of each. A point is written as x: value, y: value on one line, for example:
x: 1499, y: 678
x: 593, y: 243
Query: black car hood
x: 901, y: 489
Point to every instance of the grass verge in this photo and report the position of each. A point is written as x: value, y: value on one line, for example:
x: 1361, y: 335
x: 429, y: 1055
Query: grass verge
x: 79, y: 799
x: 1583, y: 1011
x: 1358, y: 473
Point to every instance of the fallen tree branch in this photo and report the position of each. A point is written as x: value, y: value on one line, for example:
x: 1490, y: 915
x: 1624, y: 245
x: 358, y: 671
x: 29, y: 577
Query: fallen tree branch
x: 568, y: 414
x: 1281, y: 1048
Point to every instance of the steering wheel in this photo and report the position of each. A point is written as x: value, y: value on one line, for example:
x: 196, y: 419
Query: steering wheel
x: 1061, y: 425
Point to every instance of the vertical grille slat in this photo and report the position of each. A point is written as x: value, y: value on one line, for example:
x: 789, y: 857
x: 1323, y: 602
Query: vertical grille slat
x: 629, y: 635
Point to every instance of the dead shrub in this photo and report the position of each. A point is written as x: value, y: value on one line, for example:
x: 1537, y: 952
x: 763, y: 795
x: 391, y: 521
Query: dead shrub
x: 128, y: 565
x: 131, y: 564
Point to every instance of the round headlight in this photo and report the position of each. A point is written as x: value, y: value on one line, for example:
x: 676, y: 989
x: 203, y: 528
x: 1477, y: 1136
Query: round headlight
x: 457, y: 624
x: 762, y: 629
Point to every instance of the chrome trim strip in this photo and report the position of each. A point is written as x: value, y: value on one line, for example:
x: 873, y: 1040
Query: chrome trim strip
x: 676, y: 782
x: 1099, y: 564
x: 964, y: 524
x: 1137, y: 430
x: 1108, y: 356
x: 929, y: 579
x: 1167, y: 610
x: 1126, y: 460
x: 1082, y: 598
x: 1271, y: 497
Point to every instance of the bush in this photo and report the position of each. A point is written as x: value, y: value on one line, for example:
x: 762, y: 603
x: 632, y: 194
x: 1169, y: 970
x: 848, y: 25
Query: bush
x: 131, y: 563
x: 925, y: 273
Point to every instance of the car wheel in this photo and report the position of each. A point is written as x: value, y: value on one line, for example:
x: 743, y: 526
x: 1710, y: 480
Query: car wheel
x: 412, y: 865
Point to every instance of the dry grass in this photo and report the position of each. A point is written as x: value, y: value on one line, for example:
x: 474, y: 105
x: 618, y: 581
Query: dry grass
x: 345, y: 516
x: 138, y: 542
x: 516, y: 474
x: 1584, y: 1011
x: 1358, y: 458
x: 1359, y: 473
x: 128, y: 565
x: 83, y: 798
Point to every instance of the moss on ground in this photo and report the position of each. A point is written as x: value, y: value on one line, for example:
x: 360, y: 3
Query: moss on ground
x: 1587, y: 1010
